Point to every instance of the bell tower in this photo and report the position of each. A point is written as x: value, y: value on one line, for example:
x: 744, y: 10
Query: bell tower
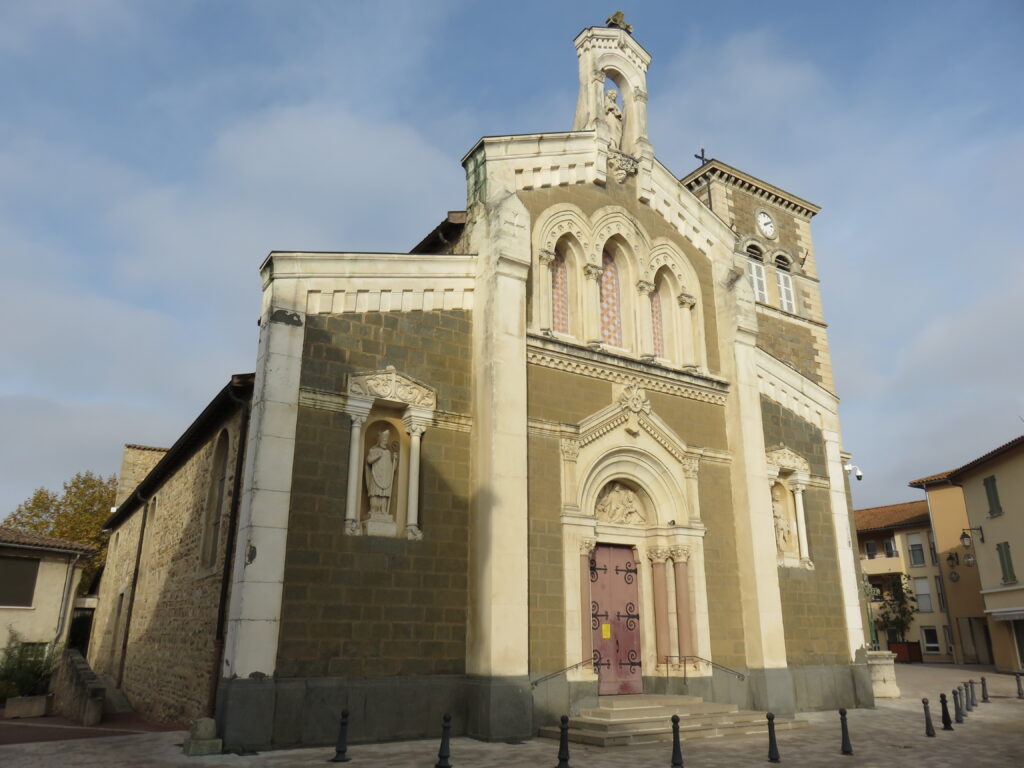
x: 619, y: 115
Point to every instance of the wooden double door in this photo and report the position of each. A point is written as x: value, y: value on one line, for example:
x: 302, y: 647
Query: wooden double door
x: 615, y: 619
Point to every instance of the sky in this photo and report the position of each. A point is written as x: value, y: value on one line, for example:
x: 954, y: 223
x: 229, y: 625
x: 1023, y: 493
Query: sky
x: 152, y: 154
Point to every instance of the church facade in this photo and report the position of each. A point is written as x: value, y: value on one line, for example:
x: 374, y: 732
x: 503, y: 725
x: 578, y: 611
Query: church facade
x: 582, y: 440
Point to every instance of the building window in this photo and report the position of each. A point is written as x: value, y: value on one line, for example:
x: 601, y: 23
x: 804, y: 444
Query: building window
x: 994, y: 507
x: 1006, y: 562
x: 559, y: 294
x: 948, y: 634
x: 611, y: 307
x: 890, y: 547
x: 923, y: 592
x: 931, y: 549
x: 755, y: 271
x: 871, y: 549
x: 785, y: 282
x: 940, y: 593
x: 930, y: 638
x: 18, y: 581
x: 215, y: 501
x: 915, y: 549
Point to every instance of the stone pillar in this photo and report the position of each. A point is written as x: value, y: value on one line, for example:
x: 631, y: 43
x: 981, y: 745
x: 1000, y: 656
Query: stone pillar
x: 357, y: 409
x: 658, y: 558
x: 686, y: 330
x: 412, y: 509
x: 691, y: 465
x: 801, y: 521
x: 592, y: 304
x: 546, y: 319
x: 586, y: 612
x: 684, y: 614
x: 646, y: 321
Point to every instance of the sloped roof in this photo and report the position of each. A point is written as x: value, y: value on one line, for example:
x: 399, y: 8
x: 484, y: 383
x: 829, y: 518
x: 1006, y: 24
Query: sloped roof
x: 32, y: 540
x: 950, y: 475
x: 905, y: 515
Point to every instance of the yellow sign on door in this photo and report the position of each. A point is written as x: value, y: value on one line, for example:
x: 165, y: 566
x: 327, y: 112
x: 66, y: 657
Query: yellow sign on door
x: 606, y: 631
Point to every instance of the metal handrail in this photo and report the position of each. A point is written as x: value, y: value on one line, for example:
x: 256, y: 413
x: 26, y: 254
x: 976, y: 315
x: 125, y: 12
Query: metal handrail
x: 684, y: 659
x: 553, y: 675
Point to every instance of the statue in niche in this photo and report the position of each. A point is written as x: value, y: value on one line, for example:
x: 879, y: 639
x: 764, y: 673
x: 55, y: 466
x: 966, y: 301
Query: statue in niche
x: 785, y: 539
x: 613, y: 118
x: 619, y: 504
x: 381, y: 468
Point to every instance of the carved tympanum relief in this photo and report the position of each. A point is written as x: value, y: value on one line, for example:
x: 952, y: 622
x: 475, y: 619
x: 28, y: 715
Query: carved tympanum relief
x: 618, y: 503
x: 388, y: 384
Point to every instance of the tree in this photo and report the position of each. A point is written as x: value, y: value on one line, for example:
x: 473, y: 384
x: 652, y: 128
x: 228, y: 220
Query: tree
x: 77, y: 514
x: 898, y: 607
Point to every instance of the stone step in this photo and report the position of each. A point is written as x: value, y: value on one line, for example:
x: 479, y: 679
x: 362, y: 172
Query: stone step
x: 661, y: 722
x: 627, y: 701
x: 114, y: 701
x: 659, y: 710
x: 583, y: 735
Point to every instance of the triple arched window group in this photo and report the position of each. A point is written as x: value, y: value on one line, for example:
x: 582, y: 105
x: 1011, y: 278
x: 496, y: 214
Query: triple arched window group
x: 620, y: 305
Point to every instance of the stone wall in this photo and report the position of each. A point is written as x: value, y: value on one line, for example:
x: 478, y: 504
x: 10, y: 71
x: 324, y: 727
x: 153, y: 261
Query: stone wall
x: 547, y: 587
x: 373, y: 607
x: 136, y: 462
x: 172, y: 651
x: 791, y: 342
x: 812, y: 606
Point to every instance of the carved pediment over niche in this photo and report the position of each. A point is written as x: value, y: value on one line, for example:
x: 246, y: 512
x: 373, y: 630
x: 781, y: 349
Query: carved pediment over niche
x: 785, y: 459
x: 388, y: 384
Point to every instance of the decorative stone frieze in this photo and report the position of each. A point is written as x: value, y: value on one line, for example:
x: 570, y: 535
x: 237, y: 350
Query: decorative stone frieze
x: 388, y: 384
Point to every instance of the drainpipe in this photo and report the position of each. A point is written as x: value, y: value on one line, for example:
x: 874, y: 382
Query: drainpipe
x: 62, y: 616
x: 229, y: 552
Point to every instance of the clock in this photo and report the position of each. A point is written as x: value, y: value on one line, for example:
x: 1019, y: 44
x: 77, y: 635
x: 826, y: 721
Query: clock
x: 765, y: 224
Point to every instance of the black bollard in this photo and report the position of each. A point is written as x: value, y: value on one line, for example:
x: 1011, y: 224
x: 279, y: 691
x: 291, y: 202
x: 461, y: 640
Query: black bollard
x: 773, y: 747
x: 984, y: 691
x: 974, y: 699
x: 445, y: 751
x: 846, y: 747
x: 947, y: 722
x: 1020, y: 689
x: 929, y: 729
x: 341, y: 750
x: 965, y: 694
x: 563, y: 744
x: 958, y: 711
x: 677, y: 750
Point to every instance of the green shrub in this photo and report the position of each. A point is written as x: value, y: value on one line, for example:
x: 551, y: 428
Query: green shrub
x: 25, y: 668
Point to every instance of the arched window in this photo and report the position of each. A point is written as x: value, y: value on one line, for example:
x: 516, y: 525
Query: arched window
x: 559, y: 293
x: 755, y: 271
x: 785, y: 281
x: 215, y: 501
x: 611, y: 304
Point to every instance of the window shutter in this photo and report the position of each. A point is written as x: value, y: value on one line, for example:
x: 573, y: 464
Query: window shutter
x: 994, y: 508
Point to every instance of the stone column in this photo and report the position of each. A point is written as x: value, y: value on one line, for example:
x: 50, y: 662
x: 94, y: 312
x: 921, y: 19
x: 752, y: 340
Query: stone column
x: 801, y: 521
x: 646, y: 321
x: 684, y: 614
x: 546, y: 319
x: 685, y: 326
x: 357, y: 409
x: 586, y: 629
x: 412, y: 509
x: 848, y: 582
x: 592, y: 304
x: 691, y: 465
x: 658, y: 558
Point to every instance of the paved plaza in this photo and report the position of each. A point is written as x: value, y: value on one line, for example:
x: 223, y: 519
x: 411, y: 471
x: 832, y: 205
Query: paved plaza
x: 891, y: 735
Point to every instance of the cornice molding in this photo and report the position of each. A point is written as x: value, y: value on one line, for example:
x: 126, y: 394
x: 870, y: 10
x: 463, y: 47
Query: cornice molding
x: 716, y: 170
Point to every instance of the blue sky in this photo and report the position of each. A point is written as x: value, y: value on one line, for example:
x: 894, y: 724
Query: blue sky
x: 151, y: 154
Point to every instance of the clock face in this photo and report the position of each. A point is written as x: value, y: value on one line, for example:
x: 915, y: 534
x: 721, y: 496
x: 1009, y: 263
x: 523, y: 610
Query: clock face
x: 765, y: 224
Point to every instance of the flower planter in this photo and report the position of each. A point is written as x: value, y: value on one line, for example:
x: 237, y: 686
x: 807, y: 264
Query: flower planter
x: 27, y: 706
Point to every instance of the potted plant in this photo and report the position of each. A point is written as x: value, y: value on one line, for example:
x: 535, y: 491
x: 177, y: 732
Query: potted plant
x: 896, y: 615
x: 25, y: 670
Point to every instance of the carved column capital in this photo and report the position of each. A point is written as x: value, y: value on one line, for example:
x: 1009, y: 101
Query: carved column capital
x: 593, y: 271
x: 645, y: 287
x: 691, y: 465
x: 798, y: 487
x: 640, y: 95
x: 546, y: 257
x: 357, y: 420
x: 587, y: 546
x: 686, y: 301
x: 658, y: 555
x: 415, y: 430
x: 570, y: 449
x: 598, y: 76
x: 680, y: 554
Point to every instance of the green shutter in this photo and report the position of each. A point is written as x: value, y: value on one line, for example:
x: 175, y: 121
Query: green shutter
x: 1006, y: 562
x: 993, y: 496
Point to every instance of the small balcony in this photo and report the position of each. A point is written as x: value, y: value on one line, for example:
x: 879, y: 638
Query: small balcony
x: 882, y: 563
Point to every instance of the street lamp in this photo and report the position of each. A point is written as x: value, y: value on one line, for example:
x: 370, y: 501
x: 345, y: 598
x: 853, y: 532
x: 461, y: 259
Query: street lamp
x: 965, y: 537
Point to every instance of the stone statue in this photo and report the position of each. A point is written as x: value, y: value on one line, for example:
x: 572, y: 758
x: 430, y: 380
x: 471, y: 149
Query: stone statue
x: 381, y: 467
x: 783, y: 530
x: 618, y: 504
x: 613, y: 118
x: 618, y: 21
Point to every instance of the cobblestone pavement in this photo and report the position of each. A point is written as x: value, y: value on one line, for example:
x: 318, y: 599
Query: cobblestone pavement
x: 891, y: 735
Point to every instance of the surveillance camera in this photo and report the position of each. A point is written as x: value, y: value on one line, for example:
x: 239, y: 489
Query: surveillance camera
x: 859, y: 475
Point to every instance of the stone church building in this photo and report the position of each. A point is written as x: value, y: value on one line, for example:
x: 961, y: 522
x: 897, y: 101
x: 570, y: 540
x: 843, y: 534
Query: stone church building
x: 581, y: 440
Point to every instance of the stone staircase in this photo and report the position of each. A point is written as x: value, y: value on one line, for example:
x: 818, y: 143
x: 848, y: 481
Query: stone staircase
x: 642, y: 719
x: 115, y: 702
